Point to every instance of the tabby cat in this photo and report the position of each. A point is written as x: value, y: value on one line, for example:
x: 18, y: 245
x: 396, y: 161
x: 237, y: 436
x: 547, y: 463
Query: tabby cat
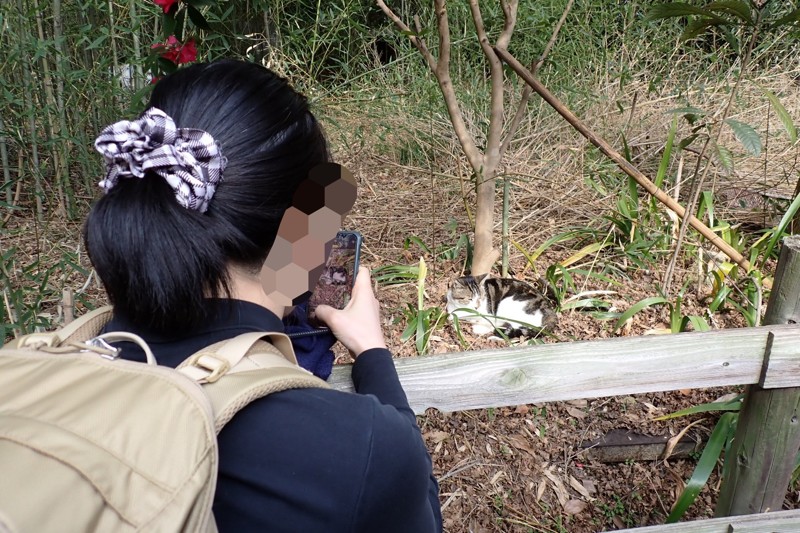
x: 509, y: 305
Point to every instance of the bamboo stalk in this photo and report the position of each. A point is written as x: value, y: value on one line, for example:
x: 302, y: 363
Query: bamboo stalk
x: 30, y: 110
x: 623, y: 164
x: 138, y: 79
x: 65, y: 141
x: 4, y: 163
x: 51, y: 128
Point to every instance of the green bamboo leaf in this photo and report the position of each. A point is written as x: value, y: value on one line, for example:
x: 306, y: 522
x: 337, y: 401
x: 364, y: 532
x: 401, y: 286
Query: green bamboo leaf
x: 664, y: 164
x: 731, y: 38
x: 413, y: 239
x: 201, y: 3
x: 788, y: 125
x: 168, y: 24
x: 725, y: 157
x: 740, y: 10
x: 197, y: 18
x: 706, y: 206
x: 583, y: 252
x: 790, y: 18
x: 532, y: 257
x: 97, y: 43
x: 687, y: 110
x: 697, y: 27
x: 708, y: 461
x: 638, y: 306
x: 784, y: 223
x: 588, y: 303
x: 731, y: 405
x: 626, y: 150
x: 677, y: 9
x: 749, y: 137
x: 686, y: 141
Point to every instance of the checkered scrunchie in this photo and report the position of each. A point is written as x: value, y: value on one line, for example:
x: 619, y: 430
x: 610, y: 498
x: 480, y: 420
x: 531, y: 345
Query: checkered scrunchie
x: 188, y: 159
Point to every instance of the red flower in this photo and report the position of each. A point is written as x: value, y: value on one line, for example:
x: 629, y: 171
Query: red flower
x: 177, y: 52
x: 166, y: 5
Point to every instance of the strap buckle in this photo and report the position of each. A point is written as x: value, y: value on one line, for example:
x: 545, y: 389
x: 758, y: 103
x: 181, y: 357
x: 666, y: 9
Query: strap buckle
x: 105, y: 350
x: 211, y: 363
x: 39, y: 340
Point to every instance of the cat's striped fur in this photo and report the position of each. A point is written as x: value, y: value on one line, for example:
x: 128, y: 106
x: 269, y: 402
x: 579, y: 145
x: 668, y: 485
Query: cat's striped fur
x: 509, y: 305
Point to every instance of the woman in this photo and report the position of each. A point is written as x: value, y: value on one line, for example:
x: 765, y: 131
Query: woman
x: 195, y: 194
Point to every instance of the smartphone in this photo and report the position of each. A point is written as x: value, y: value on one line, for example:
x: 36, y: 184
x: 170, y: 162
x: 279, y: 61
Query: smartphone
x: 336, y: 283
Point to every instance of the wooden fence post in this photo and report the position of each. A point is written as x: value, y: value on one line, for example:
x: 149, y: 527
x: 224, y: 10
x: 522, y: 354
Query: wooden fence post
x: 763, y: 452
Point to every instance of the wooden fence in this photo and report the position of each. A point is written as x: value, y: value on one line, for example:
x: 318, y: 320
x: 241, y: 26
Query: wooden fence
x: 767, y: 358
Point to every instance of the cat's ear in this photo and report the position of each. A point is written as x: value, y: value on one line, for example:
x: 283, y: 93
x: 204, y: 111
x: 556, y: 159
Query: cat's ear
x: 479, y: 278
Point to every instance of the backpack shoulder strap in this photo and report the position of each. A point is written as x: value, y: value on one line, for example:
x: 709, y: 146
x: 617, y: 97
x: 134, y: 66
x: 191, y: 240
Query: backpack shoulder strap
x: 243, y: 369
x: 79, y: 330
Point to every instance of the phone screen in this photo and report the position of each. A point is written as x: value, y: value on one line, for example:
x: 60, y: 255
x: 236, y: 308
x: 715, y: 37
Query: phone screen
x: 336, y: 283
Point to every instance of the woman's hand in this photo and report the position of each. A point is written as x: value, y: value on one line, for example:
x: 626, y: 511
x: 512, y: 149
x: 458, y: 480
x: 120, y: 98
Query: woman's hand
x: 358, y: 325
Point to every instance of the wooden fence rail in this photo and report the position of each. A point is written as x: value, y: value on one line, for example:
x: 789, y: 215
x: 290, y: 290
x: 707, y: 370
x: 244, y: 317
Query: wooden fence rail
x: 767, y: 355
x: 778, y: 522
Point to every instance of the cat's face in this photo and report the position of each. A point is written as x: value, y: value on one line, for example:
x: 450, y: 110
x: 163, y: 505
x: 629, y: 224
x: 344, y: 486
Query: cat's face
x: 465, y: 292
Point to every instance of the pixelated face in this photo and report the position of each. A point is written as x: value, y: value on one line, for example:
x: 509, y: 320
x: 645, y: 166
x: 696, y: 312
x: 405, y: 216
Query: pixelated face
x: 308, y: 228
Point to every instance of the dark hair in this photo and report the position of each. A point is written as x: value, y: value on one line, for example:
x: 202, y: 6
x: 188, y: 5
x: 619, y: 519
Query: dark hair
x: 159, y: 260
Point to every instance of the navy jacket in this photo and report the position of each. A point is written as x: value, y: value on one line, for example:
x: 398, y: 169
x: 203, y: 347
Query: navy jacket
x: 313, y: 460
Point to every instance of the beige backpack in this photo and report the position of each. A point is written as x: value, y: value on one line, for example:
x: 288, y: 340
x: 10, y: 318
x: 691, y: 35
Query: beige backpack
x: 91, y: 442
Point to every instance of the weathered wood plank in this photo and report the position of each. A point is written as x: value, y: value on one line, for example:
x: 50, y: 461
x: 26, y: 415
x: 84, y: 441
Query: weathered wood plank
x: 780, y: 522
x: 762, y: 456
x: 586, y: 369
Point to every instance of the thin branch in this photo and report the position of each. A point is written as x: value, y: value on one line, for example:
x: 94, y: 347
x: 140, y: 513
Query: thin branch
x: 698, y: 184
x: 527, y: 91
x: 623, y: 163
x: 441, y: 71
x: 416, y: 40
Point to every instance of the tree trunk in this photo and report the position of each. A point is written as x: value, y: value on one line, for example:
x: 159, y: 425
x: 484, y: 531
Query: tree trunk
x: 484, y: 254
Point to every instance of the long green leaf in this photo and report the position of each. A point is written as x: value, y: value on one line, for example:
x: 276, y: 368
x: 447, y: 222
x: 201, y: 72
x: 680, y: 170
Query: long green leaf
x: 698, y: 323
x: 708, y: 460
x: 664, y: 165
x: 197, y: 18
x: 783, y: 115
x: 790, y: 18
x: 583, y: 252
x: 725, y: 157
x: 731, y: 405
x: 677, y: 9
x: 749, y: 137
x: 688, y: 110
x: 720, y: 298
x: 784, y: 223
x: 532, y: 257
x: 638, y: 306
x: 697, y: 27
x: 740, y: 10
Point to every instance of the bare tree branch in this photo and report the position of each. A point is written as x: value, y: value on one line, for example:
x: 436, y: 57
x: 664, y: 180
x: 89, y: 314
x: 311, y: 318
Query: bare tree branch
x: 441, y: 71
x: 527, y: 91
x: 416, y: 40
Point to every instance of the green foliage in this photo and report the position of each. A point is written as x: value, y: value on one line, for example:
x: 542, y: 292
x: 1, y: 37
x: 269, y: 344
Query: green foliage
x: 422, y: 321
x: 30, y: 292
x: 720, y: 439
